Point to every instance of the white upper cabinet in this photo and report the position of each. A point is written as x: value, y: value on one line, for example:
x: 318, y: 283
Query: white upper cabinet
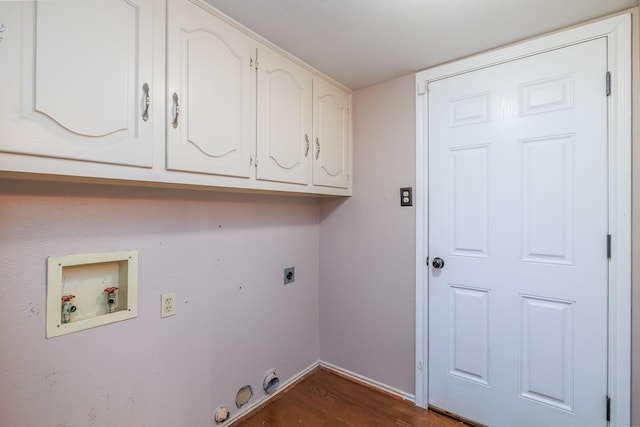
x: 211, y: 93
x: 304, y: 131
x: 164, y: 93
x: 331, y: 136
x: 75, y: 79
x: 284, y: 120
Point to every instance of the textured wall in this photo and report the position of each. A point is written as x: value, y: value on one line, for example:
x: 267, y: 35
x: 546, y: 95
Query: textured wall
x: 367, y: 245
x: 222, y: 253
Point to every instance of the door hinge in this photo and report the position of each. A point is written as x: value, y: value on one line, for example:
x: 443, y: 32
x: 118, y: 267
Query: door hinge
x: 609, y: 246
x: 423, y: 91
x: 427, y: 261
x: 608, y: 83
x: 608, y: 409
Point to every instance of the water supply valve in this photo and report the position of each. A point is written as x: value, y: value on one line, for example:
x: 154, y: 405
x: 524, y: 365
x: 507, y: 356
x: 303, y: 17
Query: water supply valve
x: 112, y: 299
x: 67, y: 308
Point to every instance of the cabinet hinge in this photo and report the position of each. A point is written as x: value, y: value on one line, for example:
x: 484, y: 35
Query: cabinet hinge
x: 427, y: 261
x: 608, y: 83
x: 609, y: 246
x: 608, y: 408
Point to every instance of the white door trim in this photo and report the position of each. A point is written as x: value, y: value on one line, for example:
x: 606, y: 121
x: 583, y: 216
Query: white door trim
x: 617, y: 30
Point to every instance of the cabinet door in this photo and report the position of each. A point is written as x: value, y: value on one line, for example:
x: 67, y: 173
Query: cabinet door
x: 210, y: 87
x: 332, y: 136
x: 74, y: 79
x: 284, y: 120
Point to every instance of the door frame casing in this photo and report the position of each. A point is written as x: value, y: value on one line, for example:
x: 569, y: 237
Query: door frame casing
x: 617, y: 30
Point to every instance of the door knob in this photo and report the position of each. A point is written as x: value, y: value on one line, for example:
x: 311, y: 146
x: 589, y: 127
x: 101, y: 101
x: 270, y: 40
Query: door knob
x: 437, y: 263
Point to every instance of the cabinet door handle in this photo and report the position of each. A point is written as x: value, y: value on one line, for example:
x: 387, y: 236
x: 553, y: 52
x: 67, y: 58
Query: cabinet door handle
x: 306, y: 151
x: 147, y: 102
x: 318, y: 148
x: 177, y: 110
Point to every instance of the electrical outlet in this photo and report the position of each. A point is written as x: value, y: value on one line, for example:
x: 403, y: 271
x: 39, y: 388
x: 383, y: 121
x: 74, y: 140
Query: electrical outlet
x: 289, y: 275
x: 168, y: 304
x: 406, y: 196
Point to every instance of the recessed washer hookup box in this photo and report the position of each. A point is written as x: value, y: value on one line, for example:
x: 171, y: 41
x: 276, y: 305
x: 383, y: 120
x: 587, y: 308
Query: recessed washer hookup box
x: 89, y: 290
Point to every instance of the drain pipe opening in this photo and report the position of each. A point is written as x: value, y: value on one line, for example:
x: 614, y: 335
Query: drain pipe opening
x: 271, y: 382
x: 222, y: 414
x: 243, y: 396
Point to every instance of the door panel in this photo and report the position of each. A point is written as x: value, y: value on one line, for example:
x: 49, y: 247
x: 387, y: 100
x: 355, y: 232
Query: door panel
x: 83, y: 80
x: 468, y: 168
x: 468, y: 331
x: 107, y: 84
x: 547, y: 199
x: 284, y: 120
x: 210, y: 70
x: 546, y: 366
x: 331, y: 132
x: 518, y: 210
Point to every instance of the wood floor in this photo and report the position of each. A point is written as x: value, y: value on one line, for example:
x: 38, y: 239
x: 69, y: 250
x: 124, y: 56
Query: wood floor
x: 327, y: 399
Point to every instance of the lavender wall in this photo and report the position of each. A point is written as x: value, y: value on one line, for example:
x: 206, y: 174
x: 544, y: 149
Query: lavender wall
x: 222, y: 253
x: 367, y: 245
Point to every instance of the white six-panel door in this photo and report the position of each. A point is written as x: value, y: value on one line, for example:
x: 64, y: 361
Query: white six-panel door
x: 518, y: 207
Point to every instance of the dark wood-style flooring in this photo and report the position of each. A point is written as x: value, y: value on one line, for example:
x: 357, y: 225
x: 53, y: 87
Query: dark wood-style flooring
x: 326, y: 399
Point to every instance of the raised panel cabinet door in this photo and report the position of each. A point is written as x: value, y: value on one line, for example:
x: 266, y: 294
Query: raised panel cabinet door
x: 75, y: 79
x: 331, y: 136
x: 210, y: 93
x: 284, y: 120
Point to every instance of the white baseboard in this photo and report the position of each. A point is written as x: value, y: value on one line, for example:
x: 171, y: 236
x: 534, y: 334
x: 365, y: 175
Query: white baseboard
x: 373, y: 383
x: 264, y: 399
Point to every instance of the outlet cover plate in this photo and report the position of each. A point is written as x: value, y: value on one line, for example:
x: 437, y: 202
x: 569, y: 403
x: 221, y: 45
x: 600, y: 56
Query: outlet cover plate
x: 406, y: 196
x: 168, y: 304
x: 289, y: 275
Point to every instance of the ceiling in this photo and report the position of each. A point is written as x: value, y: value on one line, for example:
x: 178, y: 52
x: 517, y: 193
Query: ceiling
x: 363, y: 42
